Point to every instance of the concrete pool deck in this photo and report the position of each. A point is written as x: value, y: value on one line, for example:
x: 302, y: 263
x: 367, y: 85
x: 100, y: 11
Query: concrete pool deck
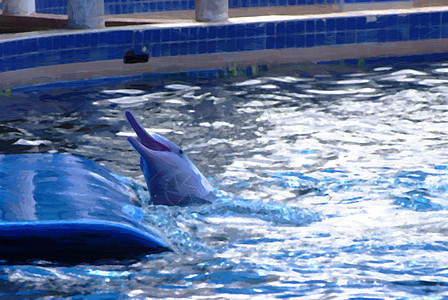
x: 173, y: 42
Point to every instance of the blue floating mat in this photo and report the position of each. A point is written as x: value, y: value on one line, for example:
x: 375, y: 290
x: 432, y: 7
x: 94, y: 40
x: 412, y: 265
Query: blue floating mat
x: 60, y: 207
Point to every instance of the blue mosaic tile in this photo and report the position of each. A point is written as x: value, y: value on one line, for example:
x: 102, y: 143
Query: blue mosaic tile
x: 361, y: 23
x: 320, y: 25
x: 403, y: 34
x: 202, y: 47
x: 221, y: 32
x: 48, y: 43
x: 270, y: 42
x: 436, y: 18
x: 58, y: 42
x: 300, y: 41
x: 290, y: 42
x: 19, y: 45
x: 231, y: 32
x: 309, y: 40
x: 319, y: 40
x: 330, y: 38
x: 444, y: 31
x: 211, y: 47
x: 212, y: 32
x: 270, y: 29
x: 175, y: 35
x: 30, y: 45
x: 361, y: 37
x: 97, y: 54
x: 174, y: 49
x: 404, y: 20
x: 183, y: 49
x: 94, y: 40
x: 141, y: 6
x: 310, y: 26
x: 183, y: 5
x: 155, y: 50
x: 368, y: 1
x: 279, y: 42
x: 330, y: 24
x: 81, y: 40
x: 350, y: 37
x: 382, y: 36
x: 254, y: 3
x: 424, y: 20
x: 165, y: 49
x: 233, y: 45
x: 340, y: 38
x: 424, y: 33
x: 250, y: 30
x: 184, y: 34
x: 434, y: 32
x: 165, y: 36
x: 444, y: 17
x: 300, y: 27
x: 280, y: 28
x: 351, y: 23
x: 393, y: 35
x: 341, y: 24
x: 372, y: 36
x: 193, y: 33
x: 202, y: 33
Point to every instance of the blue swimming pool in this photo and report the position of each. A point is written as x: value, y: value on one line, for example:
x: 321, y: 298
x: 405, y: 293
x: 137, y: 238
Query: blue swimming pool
x: 332, y: 182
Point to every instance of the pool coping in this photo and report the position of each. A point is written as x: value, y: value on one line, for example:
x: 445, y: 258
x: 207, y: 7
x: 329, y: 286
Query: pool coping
x: 113, y: 65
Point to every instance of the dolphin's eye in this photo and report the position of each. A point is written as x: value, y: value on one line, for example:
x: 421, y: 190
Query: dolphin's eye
x: 181, y: 152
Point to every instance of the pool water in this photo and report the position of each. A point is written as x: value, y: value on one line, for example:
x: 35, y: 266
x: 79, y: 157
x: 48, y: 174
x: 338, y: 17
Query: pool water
x: 332, y: 183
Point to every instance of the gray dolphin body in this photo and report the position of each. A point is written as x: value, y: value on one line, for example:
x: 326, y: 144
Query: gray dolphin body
x: 171, y: 177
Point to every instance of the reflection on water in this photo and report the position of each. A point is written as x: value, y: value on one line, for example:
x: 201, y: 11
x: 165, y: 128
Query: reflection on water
x: 331, y: 184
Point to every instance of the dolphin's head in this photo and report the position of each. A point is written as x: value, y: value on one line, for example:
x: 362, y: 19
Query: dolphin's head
x: 171, y: 177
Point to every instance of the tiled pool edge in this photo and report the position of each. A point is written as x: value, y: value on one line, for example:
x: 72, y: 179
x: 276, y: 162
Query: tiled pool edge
x: 240, y: 42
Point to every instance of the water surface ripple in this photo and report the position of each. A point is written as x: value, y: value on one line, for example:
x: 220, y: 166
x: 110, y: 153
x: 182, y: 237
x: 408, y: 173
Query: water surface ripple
x: 332, y: 184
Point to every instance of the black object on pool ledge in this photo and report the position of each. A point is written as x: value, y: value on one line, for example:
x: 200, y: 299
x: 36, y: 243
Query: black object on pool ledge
x: 133, y: 57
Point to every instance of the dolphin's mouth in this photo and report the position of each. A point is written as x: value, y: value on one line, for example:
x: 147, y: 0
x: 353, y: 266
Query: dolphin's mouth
x: 145, y: 138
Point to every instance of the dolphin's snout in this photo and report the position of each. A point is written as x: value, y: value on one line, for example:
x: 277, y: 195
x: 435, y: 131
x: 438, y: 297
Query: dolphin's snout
x: 145, y: 138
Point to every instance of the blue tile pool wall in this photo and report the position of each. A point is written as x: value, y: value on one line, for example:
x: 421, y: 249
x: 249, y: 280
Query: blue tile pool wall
x: 57, y: 7
x: 138, y: 6
x: 201, y: 39
x: 114, y: 7
x: 370, y: 1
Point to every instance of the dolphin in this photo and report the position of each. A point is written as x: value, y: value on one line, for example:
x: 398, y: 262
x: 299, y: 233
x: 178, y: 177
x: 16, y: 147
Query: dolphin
x: 171, y: 177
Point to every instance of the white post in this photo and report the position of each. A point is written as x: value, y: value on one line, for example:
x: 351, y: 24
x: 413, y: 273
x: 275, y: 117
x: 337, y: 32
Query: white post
x: 18, y: 7
x: 341, y: 4
x: 211, y: 10
x: 85, y: 13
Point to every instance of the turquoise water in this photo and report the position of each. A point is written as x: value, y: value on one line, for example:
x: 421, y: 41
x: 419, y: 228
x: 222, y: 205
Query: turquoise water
x: 333, y: 183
